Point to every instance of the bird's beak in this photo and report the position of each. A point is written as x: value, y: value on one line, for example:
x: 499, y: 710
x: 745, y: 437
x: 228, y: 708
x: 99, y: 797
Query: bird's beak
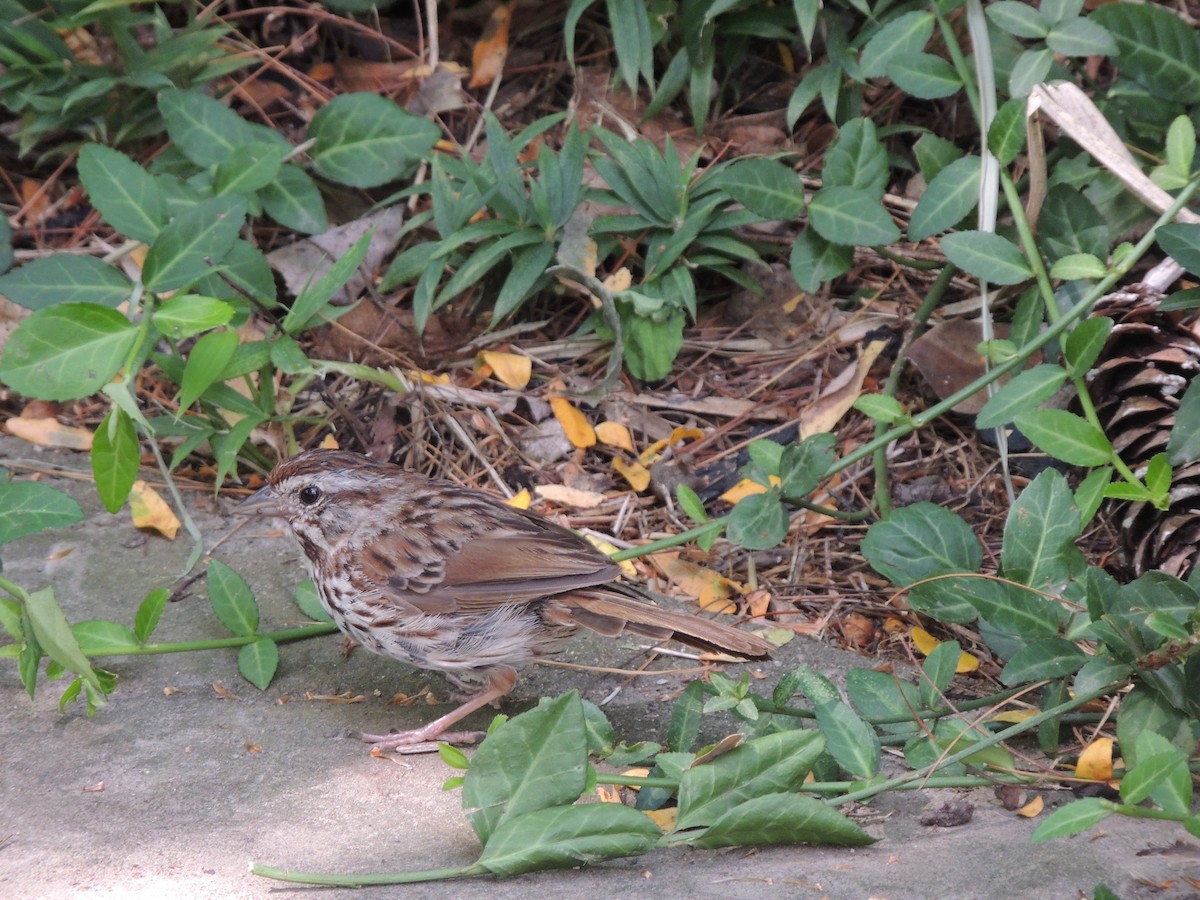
x: 260, y: 503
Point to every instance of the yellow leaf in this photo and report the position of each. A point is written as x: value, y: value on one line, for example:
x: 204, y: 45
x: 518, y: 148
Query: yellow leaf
x: 663, y: 818
x: 614, y: 434
x: 1013, y: 716
x: 628, y: 569
x: 149, y: 510
x: 746, y: 487
x: 329, y: 442
x: 49, y: 432
x: 927, y: 643
x: 608, y: 793
x: 426, y: 377
x: 578, y: 430
x: 682, y: 433
x: 491, y: 49
x: 839, y: 395
x: 1032, y: 808
x: 635, y: 473
x: 620, y: 280
x: 513, y: 369
x: 521, y: 499
x: 1096, y: 760
x: 568, y: 496
x: 711, y: 589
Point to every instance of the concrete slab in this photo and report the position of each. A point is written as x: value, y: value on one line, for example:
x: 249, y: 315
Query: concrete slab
x: 172, y: 790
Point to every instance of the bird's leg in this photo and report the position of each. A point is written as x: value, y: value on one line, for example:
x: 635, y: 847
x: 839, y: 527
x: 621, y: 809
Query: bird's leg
x: 500, y: 680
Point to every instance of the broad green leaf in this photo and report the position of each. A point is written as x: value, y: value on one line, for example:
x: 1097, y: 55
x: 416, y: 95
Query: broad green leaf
x: 1039, y: 535
x: 1006, y: 135
x: 248, y: 168
x: 314, y: 296
x: 310, y: 603
x: 1071, y: 224
x: 66, y: 352
x: 116, y: 455
x: 1024, y: 391
x: 1019, y: 19
x: 54, y: 635
x: 987, y: 256
x: 1161, y: 775
x: 293, y: 200
x: 1182, y: 242
x: 881, y: 408
x: 1072, y: 819
x: 782, y: 818
x: 924, y: 76
x: 258, y: 661
x: 940, y: 667
x: 1081, y: 37
x: 857, y: 159
x: 207, y: 131
x: 883, y: 699
x: 125, y: 194
x: 803, y: 466
x: 907, y: 33
x: 100, y: 637
x: 691, y: 504
x: 847, y: 215
x: 848, y: 739
x: 933, y: 154
x: 528, y: 266
x: 565, y: 837
x: 149, y: 612
x: 650, y: 346
x: 364, y: 140
x: 1085, y: 343
x: 1046, y: 658
x: 815, y: 260
x: 686, y: 714
x: 193, y: 243
x: 1156, y: 48
x: 231, y: 599
x: 288, y: 357
x: 952, y: 194
x: 1145, y: 710
x: 766, y: 187
x: 1031, y: 68
x: 758, y: 522
x: 1090, y: 493
x: 65, y: 278
x: 185, y: 315
x: 1183, y: 446
x: 1066, y: 436
x: 766, y: 765
x: 205, y: 364
x: 534, y: 761
x: 919, y: 542
x: 27, y: 507
x: 1078, y: 266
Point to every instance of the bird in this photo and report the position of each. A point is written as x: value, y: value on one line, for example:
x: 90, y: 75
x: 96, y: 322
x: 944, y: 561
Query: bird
x: 456, y: 580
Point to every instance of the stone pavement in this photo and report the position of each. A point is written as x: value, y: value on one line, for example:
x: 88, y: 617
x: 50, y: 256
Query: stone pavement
x: 172, y: 789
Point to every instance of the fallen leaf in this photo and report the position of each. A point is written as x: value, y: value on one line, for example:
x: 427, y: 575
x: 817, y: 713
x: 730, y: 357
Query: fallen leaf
x: 574, y: 423
x: 149, y: 510
x: 711, y: 589
x: 223, y: 692
x: 520, y: 500
x: 513, y: 369
x: 253, y: 748
x: 491, y: 49
x: 608, y: 793
x: 1032, y: 808
x: 663, y: 818
x: 614, y: 434
x: 329, y: 442
x: 568, y: 496
x: 620, y: 280
x: 608, y: 548
x: 927, y: 643
x: 96, y: 788
x: 839, y: 395
x: 1096, y: 760
x: 746, y: 487
x: 50, y: 433
x: 427, y: 377
x: 1013, y: 716
x: 635, y: 473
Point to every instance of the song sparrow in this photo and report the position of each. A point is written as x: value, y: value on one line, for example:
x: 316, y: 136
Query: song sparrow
x: 454, y: 579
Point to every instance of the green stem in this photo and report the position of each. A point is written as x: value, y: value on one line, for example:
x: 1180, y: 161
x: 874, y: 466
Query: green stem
x: 364, y: 880
x: 1145, y: 812
x: 667, y: 543
x: 283, y: 636
x: 14, y: 590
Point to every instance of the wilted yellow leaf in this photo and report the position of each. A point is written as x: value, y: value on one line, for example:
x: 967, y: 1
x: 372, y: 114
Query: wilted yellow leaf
x: 329, y: 442
x: 1013, y: 716
x: 711, y: 589
x: 1032, y: 808
x: 149, y: 510
x: 663, y: 818
x: 628, y: 569
x: 746, y: 487
x: 491, y: 49
x: 568, y: 496
x: 926, y: 643
x: 635, y: 473
x: 521, y: 499
x: 839, y: 395
x: 578, y: 430
x: 1096, y: 760
x: 513, y: 369
x: 49, y: 432
x: 426, y: 377
x: 614, y: 434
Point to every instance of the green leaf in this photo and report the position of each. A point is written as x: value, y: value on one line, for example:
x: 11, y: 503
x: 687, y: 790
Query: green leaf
x: 148, y: 613
x: 847, y: 215
x: 1090, y: 493
x: 564, y: 837
x: 689, y: 501
x: 65, y: 278
x: 766, y: 765
x: 919, y: 542
x: 905, y: 34
x: 758, y: 522
x: 650, y: 346
x: 1046, y: 658
x: 1072, y: 819
x: 881, y: 408
x: 193, y: 243
x: 804, y: 465
x: 1006, y: 135
x: 1024, y: 391
x: 258, y: 661
x: 782, y: 818
x: 66, y: 352
x: 924, y: 76
x: 288, y: 356
x: 207, y: 131
x: 364, y: 140
x: 187, y: 314
x: 315, y: 295
x: 231, y: 598
x: 857, y: 159
x: 1070, y: 224
x: 1030, y: 68
x: 293, y: 200
x: 54, y: 635
x: 532, y: 762
x: 116, y: 455
x: 952, y: 194
x: 248, y: 168
x: 1066, y: 436
x: 1085, y: 343
x: 125, y: 194
x: 1155, y: 48
x: 1039, y: 535
x: 1182, y: 242
x: 684, y: 724
x: 882, y: 696
x: 766, y: 187
x: 987, y: 256
x: 100, y: 637
x: 848, y: 739
x: 528, y: 267
x: 815, y: 260
x: 940, y: 668
x: 1018, y: 19
x: 310, y: 603
x: 205, y: 364
x: 27, y: 507
x: 1078, y: 266
x: 1183, y: 446
x: 1081, y: 37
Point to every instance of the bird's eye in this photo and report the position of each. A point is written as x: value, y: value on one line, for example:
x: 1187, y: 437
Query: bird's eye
x: 309, y: 494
